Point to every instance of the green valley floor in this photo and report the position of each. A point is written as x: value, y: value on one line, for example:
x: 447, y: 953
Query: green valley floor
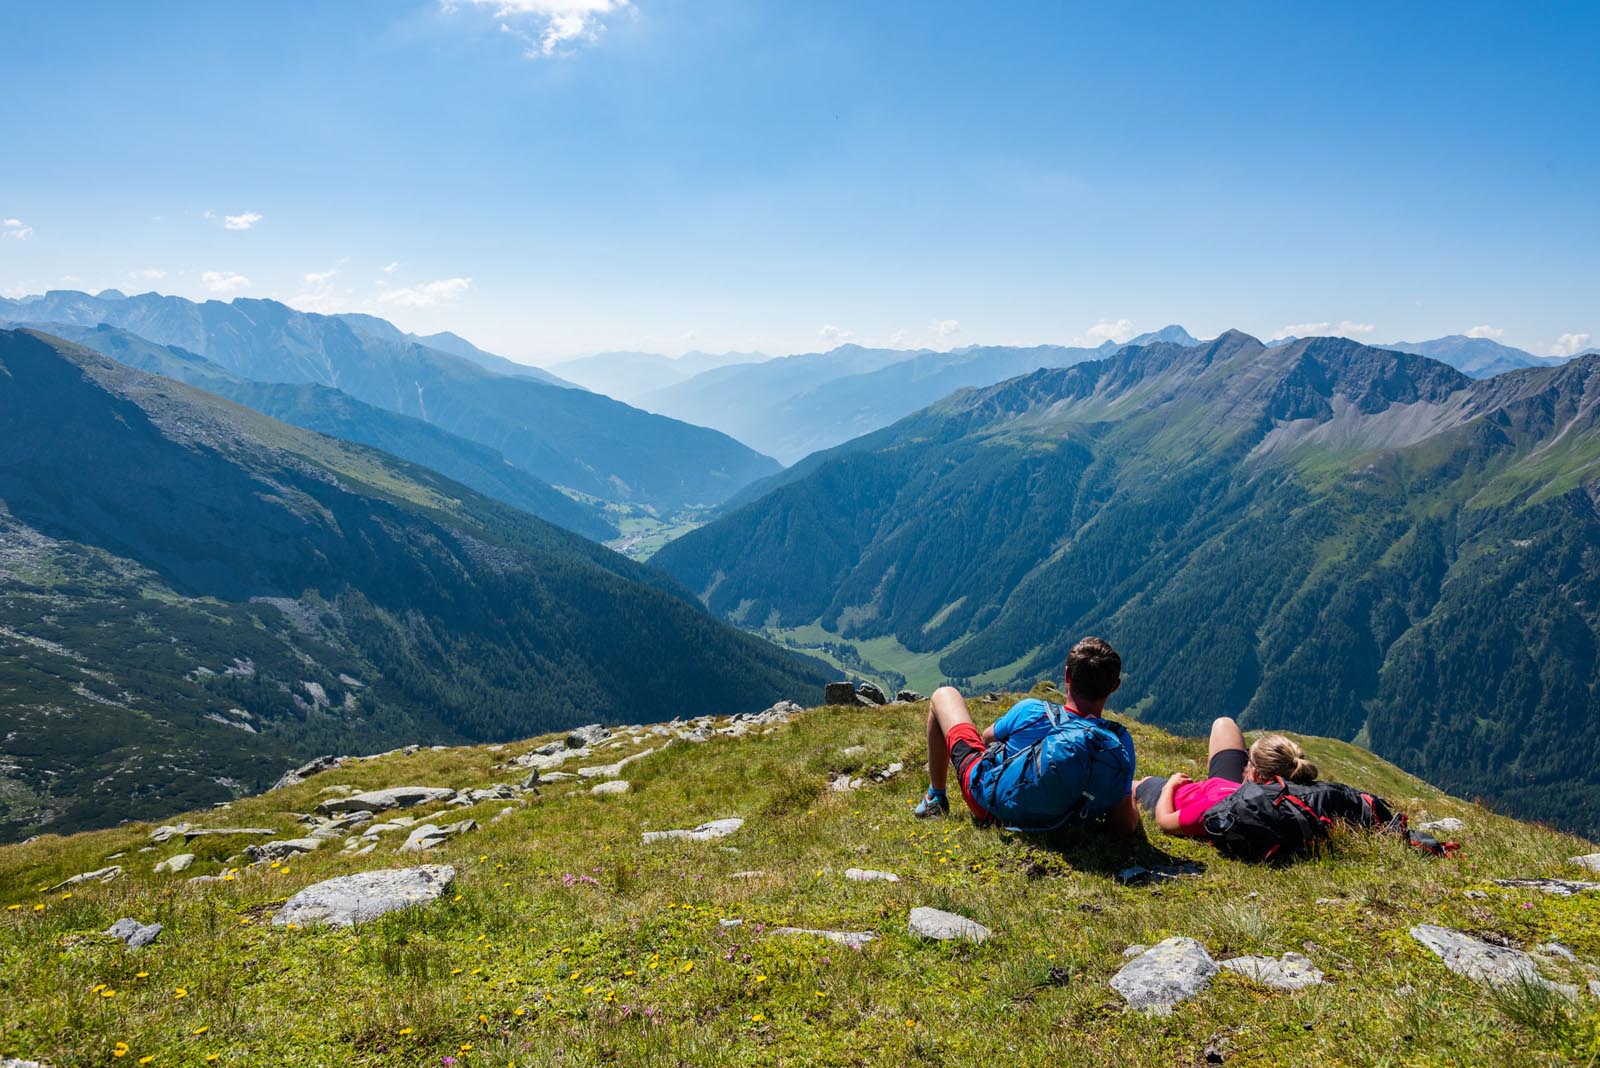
x: 566, y: 939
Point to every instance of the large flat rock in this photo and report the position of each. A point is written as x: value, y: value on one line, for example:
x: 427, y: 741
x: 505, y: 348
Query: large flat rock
x: 1481, y: 961
x: 1292, y: 971
x: 351, y: 899
x: 946, y: 926
x: 382, y: 800
x: 703, y: 833
x: 1165, y: 974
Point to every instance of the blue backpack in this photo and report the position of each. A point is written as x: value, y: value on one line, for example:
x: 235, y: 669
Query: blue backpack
x: 1079, y: 770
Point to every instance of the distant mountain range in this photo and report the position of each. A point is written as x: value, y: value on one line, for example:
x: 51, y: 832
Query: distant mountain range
x: 196, y: 596
x: 328, y: 411
x: 792, y: 406
x: 1479, y: 357
x: 1323, y: 536
x: 627, y: 376
x: 569, y: 438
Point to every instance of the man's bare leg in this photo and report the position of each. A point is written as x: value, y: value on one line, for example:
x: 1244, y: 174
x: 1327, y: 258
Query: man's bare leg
x: 945, y: 709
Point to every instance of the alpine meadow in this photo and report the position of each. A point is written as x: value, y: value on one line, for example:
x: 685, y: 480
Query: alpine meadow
x: 576, y: 533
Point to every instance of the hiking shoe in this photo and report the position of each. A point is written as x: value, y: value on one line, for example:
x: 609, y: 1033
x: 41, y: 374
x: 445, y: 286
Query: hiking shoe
x: 932, y: 804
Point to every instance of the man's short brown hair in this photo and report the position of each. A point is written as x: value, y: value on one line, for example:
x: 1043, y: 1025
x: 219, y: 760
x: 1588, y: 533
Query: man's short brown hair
x: 1093, y: 669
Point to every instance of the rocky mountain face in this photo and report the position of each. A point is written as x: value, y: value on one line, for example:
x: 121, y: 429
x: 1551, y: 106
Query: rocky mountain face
x: 567, y: 437
x: 194, y: 595
x: 1322, y: 535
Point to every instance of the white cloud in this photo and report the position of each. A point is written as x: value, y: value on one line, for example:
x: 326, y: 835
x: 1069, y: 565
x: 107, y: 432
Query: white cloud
x: 223, y: 281
x: 318, y: 278
x: 833, y: 335
x: 392, y: 267
x: 945, y: 327
x: 241, y: 222
x: 546, y: 27
x: 427, y: 294
x: 1325, y: 329
x: 1569, y: 344
x: 16, y: 292
x: 897, y: 339
x: 15, y: 229
x: 149, y: 274
x: 1118, y: 330
x: 1486, y: 331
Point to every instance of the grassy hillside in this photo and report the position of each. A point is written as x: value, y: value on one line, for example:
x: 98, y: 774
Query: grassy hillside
x: 568, y: 941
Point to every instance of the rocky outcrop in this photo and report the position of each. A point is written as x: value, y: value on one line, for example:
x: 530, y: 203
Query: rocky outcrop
x: 134, y: 934
x: 296, y: 776
x: 867, y: 875
x: 853, y: 939
x: 703, y: 833
x: 1292, y: 971
x: 99, y: 875
x: 383, y: 800
x: 432, y: 836
x: 1164, y: 975
x: 175, y: 864
x: 188, y: 831
x: 1482, y: 961
x: 946, y: 926
x: 352, y: 899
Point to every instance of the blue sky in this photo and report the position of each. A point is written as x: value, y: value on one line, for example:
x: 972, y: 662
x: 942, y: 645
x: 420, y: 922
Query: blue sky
x: 551, y: 177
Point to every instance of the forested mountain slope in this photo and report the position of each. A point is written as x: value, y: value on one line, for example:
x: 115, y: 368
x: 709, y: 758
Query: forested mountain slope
x: 567, y: 437
x: 1327, y: 536
x: 195, y: 595
x: 330, y: 411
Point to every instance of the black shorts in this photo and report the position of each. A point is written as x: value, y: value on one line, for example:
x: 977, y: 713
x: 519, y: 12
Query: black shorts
x: 1228, y: 764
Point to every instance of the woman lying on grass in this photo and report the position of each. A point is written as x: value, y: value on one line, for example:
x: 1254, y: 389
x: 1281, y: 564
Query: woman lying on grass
x: 1179, y: 804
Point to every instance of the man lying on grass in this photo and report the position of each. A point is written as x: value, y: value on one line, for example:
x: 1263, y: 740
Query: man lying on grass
x: 1042, y: 765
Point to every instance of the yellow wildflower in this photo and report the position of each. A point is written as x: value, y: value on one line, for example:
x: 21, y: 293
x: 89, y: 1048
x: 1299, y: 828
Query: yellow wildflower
x: 758, y: 1017
x: 147, y: 1060
x: 141, y: 975
x: 108, y: 993
x: 202, y: 1029
x: 180, y: 993
x: 688, y: 966
x: 39, y: 907
x: 482, y: 1018
x: 406, y: 1030
x: 519, y: 1012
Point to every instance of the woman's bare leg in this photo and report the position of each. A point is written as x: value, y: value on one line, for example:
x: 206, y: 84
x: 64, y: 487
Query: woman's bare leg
x: 1225, y: 734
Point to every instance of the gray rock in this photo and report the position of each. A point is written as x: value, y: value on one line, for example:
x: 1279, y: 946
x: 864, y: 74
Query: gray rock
x: 543, y: 762
x: 1448, y: 825
x: 607, y: 771
x: 909, y: 695
x: 1134, y: 950
x: 1165, y: 974
x: 703, y: 833
x: 556, y: 776
x: 842, y: 784
x: 867, y: 875
x: 615, y: 786
x: 1590, y: 861
x: 1556, y: 949
x: 18, y: 1062
x: 946, y: 926
x: 1559, y: 887
x: 871, y: 692
x: 584, y: 737
x: 283, y: 847
x: 549, y: 749
x: 137, y: 935
x: 1290, y: 972
x: 189, y: 830
x: 851, y: 751
x: 1476, y: 959
x: 1594, y: 989
x: 383, y: 800
x: 531, y: 780
x: 432, y: 836
x: 842, y: 693
x: 853, y: 939
x: 99, y: 875
x: 299, y: 775
x: 359, y: 898
x: 174, y: 864
x: 748, y: 875
x: 888, y: 772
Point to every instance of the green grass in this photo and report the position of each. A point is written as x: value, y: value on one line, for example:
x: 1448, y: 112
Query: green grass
x: 568, y: 942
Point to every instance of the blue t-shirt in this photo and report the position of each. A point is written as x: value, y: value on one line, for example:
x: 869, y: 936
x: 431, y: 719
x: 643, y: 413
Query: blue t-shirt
x: 1029, y: 720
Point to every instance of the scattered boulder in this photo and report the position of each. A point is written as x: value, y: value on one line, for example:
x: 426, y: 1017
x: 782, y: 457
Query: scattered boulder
x: 99, y: 875
x: 174, y: 864
x: 607, y: 771
x: 871, y: 692
x: 382, y: 800
x: 909, y: 696
x: 703, y: 833
x: 431, y: 836
x: 1163, y: 975
x: 1292, y: 971
x: 296, y: 776
x: 615, y: 786
x: 1590, y: 861
x: 1481, y: 961
x: 531, y: 780
x: 946, y: 926
x: 351, y: 899
x: 1448, y: 825
x: 189, y: 831
x: 853, y: 939
x: 137, y: 935
x: 1559, y: 887
x: 283, y: 847
x: 556, y: 776
x: 839, y: 693
x: 584, y: 737
x: 867, y: 875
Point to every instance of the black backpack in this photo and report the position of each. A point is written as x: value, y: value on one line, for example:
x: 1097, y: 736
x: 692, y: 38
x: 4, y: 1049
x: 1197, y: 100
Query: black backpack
x: 1278, y: 821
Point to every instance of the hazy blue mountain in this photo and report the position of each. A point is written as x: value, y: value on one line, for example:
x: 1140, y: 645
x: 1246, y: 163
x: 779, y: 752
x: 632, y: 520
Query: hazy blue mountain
x: 627, y: 376
x: 794, y: 405
x: 328, y: 411
x: 1479, y: 357
x: 1325, y: 536
x: 567, y: 437
x: 197, y: 596
x: 454, y: 344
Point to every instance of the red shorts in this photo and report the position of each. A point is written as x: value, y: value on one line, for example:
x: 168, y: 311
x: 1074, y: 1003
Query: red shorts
x: 966, y: 749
